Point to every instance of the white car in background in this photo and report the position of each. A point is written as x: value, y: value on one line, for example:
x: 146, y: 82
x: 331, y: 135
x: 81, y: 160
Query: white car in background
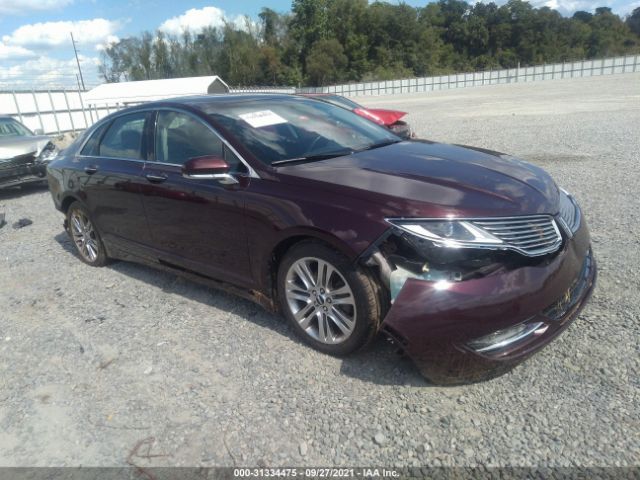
x: 24, y: 155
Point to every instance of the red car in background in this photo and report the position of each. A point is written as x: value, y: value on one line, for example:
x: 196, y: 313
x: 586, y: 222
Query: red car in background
x: 387, y: 118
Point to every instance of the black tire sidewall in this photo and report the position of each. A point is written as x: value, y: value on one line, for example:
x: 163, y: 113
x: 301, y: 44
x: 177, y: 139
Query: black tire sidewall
x: 366, y: 300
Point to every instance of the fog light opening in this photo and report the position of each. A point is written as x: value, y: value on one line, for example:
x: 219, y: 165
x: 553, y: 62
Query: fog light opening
x: 505, y: 337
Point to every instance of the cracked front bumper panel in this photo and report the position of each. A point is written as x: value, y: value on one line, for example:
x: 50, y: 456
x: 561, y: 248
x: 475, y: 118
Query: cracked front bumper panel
x: 434, y: 322
x: 17, y: 172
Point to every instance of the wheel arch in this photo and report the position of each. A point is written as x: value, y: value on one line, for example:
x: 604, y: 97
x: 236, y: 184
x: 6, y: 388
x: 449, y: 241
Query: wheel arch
x: 291, y: 239
x: 67, y: 201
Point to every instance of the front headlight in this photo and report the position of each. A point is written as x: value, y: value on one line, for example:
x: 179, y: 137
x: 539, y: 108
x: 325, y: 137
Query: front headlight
x: 448, y: 233
x: 48, y: 153
x: 570, y: 216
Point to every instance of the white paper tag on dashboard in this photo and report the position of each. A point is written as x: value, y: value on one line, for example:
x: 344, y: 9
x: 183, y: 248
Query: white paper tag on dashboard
x: 263, y: 118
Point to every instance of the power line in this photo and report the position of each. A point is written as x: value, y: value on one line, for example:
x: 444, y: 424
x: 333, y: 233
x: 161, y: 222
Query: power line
x: 77, y: 60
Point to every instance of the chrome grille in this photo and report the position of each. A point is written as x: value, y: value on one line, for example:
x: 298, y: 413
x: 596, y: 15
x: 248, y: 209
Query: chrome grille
x: 535, y: 235
x: 18, y: 161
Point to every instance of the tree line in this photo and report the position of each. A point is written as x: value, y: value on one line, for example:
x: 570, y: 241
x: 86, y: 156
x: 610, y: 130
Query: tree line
x: 321, y: 42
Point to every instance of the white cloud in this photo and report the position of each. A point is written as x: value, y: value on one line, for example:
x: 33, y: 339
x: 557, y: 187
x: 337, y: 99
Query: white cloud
x: 44, y: 71
x: 627, y: 8
x: 25, y: 7
x: 197, y: 19
x: 10, y: 52
x: 110, y: 40
x: 97, y: 31
x: 568, y: 7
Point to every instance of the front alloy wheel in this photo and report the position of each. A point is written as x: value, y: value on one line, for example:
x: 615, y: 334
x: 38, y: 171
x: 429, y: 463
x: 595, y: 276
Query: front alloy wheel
x: 332, y: 304
x: 321, y: 300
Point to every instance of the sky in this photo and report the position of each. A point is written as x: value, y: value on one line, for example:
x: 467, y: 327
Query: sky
x: 36, y: 48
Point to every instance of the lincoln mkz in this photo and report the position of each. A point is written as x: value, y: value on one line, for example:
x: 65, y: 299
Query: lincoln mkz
x: 468, y: 259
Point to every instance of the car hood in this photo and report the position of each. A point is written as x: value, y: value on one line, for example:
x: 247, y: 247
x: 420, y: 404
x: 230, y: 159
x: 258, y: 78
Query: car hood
x: 11, y: 147
x: 425, y: 179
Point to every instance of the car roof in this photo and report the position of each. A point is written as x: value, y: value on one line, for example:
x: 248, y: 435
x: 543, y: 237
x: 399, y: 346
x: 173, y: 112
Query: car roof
x: 202, y: 101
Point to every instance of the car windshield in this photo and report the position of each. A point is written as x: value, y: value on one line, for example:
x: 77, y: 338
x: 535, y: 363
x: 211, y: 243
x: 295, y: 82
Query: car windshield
x: 281, y: 130
x: 11, y: 128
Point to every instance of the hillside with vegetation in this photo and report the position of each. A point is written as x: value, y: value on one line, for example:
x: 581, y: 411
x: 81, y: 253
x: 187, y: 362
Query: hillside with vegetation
x: 321, y: 42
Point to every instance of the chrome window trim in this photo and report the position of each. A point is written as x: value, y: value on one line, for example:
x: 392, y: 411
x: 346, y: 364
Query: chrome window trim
x: 97, y: 125
x: 486, y: 246
x: 250, y: 170
x: 121, y: 159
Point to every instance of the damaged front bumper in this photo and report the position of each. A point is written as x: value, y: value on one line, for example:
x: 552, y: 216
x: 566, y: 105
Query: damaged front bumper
x: 474, y: 329
x: 22, y: 169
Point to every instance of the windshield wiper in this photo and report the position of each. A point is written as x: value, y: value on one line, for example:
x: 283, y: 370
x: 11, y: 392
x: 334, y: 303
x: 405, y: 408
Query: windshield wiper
x: 325, y: 156
x: 378, y: 145
x: 311, y: 158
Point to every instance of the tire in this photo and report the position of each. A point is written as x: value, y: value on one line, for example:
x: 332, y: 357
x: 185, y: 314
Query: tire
x: 85, y: 237
x: 333, y: 319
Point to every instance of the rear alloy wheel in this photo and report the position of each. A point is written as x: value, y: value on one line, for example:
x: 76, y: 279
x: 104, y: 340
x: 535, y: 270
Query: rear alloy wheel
x: 332, y: 305
x: 84, y: 235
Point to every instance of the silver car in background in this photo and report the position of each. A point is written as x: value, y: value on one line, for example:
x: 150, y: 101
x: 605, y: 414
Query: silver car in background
x: 23, y: 155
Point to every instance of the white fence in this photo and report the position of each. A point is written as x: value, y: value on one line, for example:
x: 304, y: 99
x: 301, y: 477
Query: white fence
x: 52, y: 111
x: 60, y: 111
x: 586, y: 68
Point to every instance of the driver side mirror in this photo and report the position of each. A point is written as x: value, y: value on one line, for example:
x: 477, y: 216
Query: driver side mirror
x: 38, y: 131
x: 208, y: 167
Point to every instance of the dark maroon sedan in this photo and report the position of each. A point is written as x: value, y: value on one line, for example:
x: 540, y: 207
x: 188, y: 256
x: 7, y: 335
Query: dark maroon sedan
x: 470, y: 260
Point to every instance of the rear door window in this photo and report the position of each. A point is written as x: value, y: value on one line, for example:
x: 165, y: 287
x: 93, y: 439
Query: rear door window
x: 125, y: 137
x: 92, y: 147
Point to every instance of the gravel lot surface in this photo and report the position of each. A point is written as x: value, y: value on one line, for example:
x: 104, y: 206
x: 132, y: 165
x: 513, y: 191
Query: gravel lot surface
x: 100, y: 365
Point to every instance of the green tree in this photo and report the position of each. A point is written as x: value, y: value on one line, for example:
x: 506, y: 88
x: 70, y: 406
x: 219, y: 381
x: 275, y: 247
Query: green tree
x: 633, y: 21
x: 324, y: 41
x: 325, y: 62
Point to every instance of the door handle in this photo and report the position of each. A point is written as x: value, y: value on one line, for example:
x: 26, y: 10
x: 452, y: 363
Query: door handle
x: 91, y: 169
x: 155, y: 178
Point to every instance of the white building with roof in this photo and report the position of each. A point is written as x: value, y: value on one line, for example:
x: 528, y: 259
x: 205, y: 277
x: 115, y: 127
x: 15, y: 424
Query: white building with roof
x: 123, y: 94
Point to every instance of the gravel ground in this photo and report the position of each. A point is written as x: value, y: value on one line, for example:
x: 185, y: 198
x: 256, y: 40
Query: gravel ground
x: 100, y: 365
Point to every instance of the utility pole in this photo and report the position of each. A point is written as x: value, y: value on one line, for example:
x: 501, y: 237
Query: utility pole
x: 77, y: 61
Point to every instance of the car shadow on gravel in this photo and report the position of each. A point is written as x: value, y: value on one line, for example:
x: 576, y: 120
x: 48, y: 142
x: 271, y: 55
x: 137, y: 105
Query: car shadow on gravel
x: 65, y: 242
x: 8, y: 193
x: 380, y: 363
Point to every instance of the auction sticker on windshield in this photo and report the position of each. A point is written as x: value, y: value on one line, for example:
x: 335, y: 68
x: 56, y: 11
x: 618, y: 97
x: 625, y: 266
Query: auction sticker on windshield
x: 263, y: 118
